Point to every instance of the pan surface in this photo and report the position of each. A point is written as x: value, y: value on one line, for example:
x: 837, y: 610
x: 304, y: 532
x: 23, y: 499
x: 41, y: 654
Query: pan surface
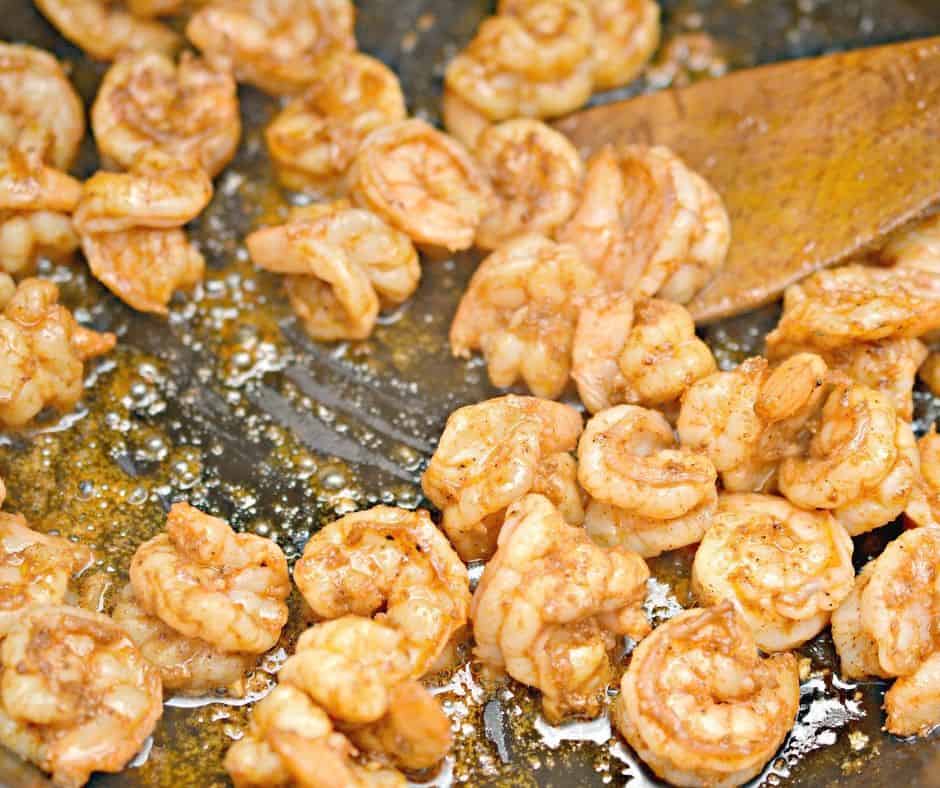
x: 228, y: 405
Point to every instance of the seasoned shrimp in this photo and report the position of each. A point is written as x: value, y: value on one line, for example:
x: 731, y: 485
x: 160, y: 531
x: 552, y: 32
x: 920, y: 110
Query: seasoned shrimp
x: 316, y: 137
x: 76, y: 696
x: 536, y: 175
x: 648, y: 223
x: 45, y: 348
x: 291, y: 743
x: 277, y: 45
x: 913, y: 702
x: 105, y: 29
x: 423, y: 183
x: 647, y: 493
x: 915, y: 247
x: 342, y: 263
x: 627, y: 35
x: 549, y: 604
x: 784, y: 569
x: 394, y: 561
x: 35, y: 568
x: 189, y: 112
x: 488, y: 457
x: 39, y: 108
x: 520, y: 309
x: 924, y: 506
x: 208, y: 582
x: 700, y: 706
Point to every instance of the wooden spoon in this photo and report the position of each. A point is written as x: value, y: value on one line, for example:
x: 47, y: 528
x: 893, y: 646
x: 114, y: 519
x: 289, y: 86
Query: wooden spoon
x: 817, y: 160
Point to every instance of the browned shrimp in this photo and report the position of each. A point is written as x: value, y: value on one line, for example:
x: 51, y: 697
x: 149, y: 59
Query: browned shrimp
x: 627, y: 35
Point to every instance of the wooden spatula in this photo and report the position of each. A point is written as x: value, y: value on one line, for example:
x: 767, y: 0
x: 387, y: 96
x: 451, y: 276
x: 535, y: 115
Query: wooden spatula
x: 816, y: 160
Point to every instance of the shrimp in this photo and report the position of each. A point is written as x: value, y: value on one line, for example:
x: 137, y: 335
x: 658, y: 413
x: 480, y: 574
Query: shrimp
x: 784, y: 569
x: 423, y: 183
x: 315, y: 138
x: 520, y: 309
x: 647, y: 494
x: 39, y: 108
x: 45, y: 348
x: 648, y: 223
x: 700, y: 706
x: 915, y: 247
x: 627, y: 35
x: 924, y: 506
x: 291, y: 742
x: 35, y: 568
x: 105, y: 30
x: 536, y: 175
x: 394, y: 561
x: 488, y: 457
x: 913, y: 702
x: 189, y: 112
x: 279, y: 46
x: 206, y: 581
x: 342, y: 264
x: 76, y: 696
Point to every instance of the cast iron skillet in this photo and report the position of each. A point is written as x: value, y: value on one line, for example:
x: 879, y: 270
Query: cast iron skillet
x: 227, y: 404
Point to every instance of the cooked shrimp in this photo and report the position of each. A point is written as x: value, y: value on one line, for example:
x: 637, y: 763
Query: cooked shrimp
x: 316, y: 137
x: 189, y: 112
x: 35, y: 568
x: 647, y: 493
x: 549, y: 605
x: 648, y: 224
x: 627, y: 35
x: 924, y: 506
x: 536, y: 175
x: 45, y: 348
x: 699, y: 704
x: 603, y: 328
x: 913, y: 702
x: 394, y: 561
x: 38, y: 105
x: 489, y: 457
x: 520, y: 309
x: 208, y: 582
x: 784, y: 569
x: 76, y: 696
x: 858, y: 652
x: 915, y: 247
x: 105, y: 29
x: 423, y: 183
x: 279, y: 46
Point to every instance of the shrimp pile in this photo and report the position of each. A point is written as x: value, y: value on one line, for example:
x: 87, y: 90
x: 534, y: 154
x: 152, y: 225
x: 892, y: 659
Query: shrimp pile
x: 76, y: 696
x: 923, y: 508
x: 279, y: 46
x: 520, y: 309
x: 342, y: 264
x: 647, y: 493
x: 315, y: 138
x: 130, y: 226
x: 44, y: 351
x: 188, y: 112
x: 493, y: 453
x: 649, y: 224
x: 698, y: 703
x: 644, y: 353
x: 784, y: 569
x: 550, y: 604
x: 888, y: 626
x: 394, y: 561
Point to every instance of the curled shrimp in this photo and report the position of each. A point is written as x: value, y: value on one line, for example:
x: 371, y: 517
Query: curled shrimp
x: 105, y: 29
x: 276, y: 45
x: 924, y: 506
x: 39, y: 108
x: 536, y: 175
x: 549, y: 605
x: 648, y: 223
x: 699, y: 704
x: 423, y: 183
x: 315, y: 138
x: 784, y: 569
x: 489, y: 456
x: 912, y: 705
x: 206, y: 581
x: 342, y: 264
x: 520, y: 309
x: 189, y: 111
x: 76, y: 696
x: 647, y: 494
x: 45, y: 348
x: 627, y: 35
x: 394, y: 561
